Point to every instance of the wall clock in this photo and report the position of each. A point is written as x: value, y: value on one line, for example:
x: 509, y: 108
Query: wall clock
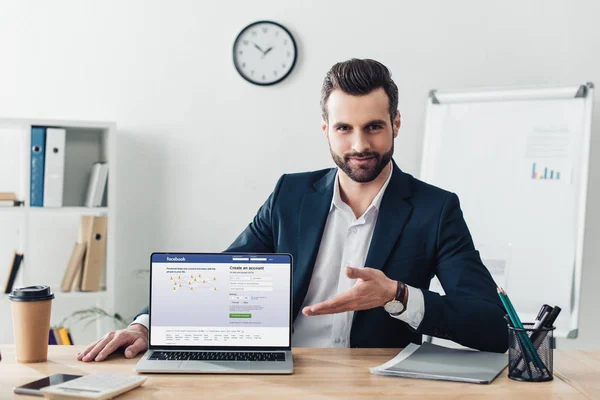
x: 264, y: 53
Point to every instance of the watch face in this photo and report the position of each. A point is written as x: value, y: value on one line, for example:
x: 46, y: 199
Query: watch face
x: 394, y: 307
x: 264, y: 53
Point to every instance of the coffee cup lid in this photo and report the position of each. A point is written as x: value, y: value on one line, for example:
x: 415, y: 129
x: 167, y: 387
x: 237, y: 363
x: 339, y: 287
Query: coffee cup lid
x: 31, y: 293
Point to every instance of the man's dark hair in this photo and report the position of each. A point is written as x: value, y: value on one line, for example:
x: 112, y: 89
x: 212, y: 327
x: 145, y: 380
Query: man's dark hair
x: 359, y: 77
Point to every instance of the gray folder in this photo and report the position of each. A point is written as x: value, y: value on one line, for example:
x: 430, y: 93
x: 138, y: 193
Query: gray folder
x: 429, y: 361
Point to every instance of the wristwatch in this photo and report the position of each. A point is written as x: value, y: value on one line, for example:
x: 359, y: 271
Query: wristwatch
x: 397, y: 305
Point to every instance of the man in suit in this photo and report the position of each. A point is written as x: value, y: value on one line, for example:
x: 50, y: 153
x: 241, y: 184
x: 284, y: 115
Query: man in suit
x: 366, y: 239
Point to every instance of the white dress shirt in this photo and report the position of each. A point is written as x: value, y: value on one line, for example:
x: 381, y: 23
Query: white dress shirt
x: 346, y: 241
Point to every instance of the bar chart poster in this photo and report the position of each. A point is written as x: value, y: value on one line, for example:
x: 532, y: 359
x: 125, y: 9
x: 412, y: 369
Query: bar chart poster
x: 542, y: 172
x: 548, y: 154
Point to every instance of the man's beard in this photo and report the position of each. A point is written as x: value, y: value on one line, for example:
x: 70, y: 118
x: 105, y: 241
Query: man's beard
x: 363, y: 173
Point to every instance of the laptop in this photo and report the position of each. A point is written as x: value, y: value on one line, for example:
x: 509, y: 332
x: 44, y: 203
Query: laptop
x: 219, y: 313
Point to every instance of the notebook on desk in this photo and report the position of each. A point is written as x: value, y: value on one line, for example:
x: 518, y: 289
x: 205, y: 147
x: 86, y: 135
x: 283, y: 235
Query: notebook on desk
x: 429, y: 361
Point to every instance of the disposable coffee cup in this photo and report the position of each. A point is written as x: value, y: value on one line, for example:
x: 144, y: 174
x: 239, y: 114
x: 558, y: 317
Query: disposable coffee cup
x: 30, y: 307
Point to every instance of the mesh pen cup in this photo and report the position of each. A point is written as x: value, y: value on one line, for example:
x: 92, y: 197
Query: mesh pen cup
x: 530, y: 353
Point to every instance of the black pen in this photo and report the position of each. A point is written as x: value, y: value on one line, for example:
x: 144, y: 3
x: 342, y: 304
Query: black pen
x: 544, y: 308
x: 537, y: 337
x: 544, y: 313
x: 541, y: 318
x: 552, y: 317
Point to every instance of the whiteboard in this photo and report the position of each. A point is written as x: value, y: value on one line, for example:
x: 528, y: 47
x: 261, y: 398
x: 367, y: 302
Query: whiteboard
x: 518, y: 160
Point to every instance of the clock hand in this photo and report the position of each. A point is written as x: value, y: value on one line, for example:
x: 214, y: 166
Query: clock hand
x: 267, y: 51
x: 261, y: 50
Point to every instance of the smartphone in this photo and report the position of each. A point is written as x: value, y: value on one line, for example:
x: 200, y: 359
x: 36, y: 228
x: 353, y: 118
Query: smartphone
x: 33, y: 388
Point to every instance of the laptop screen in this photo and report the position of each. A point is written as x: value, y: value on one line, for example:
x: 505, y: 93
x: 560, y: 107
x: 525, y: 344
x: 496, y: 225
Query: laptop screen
x: 220, y: 300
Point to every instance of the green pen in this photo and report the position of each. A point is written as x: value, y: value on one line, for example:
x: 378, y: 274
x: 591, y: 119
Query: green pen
x: 527, y: 345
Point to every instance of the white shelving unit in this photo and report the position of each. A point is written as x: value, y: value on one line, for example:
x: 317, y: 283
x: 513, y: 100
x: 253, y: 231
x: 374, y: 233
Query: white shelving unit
x: 46, y: 236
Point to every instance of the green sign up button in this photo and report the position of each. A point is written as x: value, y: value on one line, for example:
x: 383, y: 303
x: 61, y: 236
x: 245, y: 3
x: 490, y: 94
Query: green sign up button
x: 238, y: 315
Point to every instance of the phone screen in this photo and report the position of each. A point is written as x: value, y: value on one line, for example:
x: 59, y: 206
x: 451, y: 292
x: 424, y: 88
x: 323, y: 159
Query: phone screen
x: 33, y: 388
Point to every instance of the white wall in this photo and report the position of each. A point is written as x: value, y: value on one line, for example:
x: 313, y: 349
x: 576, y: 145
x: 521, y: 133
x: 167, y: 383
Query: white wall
x: 200, y: 148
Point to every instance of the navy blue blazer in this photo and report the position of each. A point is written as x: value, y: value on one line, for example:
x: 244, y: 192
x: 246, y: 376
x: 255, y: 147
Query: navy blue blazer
x: 420, y: 233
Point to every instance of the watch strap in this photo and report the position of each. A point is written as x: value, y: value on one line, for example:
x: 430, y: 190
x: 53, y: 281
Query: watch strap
x: 401, y: 293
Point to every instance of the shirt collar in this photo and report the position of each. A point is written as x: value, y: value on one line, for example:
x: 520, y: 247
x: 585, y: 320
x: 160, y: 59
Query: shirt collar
x: 338, y: 203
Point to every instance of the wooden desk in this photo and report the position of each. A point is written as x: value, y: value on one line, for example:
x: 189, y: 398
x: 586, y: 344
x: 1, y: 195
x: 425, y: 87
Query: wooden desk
x: 319, y: 373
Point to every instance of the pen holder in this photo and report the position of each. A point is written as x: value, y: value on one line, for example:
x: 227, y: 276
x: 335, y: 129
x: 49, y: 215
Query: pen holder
x: 525, y: 365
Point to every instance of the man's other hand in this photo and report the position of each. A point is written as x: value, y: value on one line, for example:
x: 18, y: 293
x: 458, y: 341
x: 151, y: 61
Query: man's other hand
x: 133, y: 338
x: 372, y: 289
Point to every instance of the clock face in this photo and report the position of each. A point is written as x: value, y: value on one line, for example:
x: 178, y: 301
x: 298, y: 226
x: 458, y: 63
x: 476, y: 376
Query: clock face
x: 264, y: 53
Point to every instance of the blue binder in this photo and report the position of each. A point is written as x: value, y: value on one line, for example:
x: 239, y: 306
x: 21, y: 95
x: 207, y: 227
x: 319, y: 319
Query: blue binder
x: 38, y: 150
x: 51, y: 337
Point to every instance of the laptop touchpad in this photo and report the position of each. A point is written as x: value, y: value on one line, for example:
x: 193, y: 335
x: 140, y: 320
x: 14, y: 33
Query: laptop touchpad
x: 208, y: 366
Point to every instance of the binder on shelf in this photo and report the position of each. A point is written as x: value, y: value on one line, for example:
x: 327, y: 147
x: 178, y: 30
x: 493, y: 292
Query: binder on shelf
x: 70, y: 337
x: 51, y: 337
x: 54, y: 169
x: 75, y: 264
x: 38, y: 149
x: 57, y: 336
x: 60, y: 336
x: 99, y: 195
x: 64, y: 336
x: 92, y: 183
x: 76, y: 285
x: 12, y: 274
x: 83, y: 233
x: 97, y: 185
x: 93, y: 265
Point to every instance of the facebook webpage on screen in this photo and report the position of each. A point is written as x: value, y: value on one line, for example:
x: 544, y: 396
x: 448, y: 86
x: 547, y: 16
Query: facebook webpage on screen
x: 220, y: 300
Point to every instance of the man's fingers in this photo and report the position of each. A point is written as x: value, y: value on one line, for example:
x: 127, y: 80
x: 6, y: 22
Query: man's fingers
x: 87, y: 350
x: 358, y: 273
x: 314, y: 310
x: 135, y: 339
x: 99, y: 346
x: 136, y: 347
x: 118, y: 341
x: 331, y: 306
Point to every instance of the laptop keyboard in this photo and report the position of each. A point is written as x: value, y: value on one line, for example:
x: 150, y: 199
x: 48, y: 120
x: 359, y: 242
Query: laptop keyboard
x: 217, y: 356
